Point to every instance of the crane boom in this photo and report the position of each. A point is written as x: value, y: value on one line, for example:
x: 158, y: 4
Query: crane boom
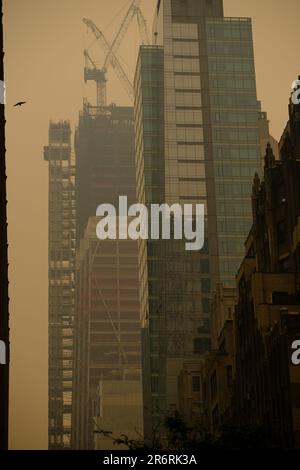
x: 144, y: 33
x: 122, y: 30
x: 120, y: 72
x: 89, y: 63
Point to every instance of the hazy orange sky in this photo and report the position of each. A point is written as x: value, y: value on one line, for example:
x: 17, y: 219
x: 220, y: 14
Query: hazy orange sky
x: 44, y: 42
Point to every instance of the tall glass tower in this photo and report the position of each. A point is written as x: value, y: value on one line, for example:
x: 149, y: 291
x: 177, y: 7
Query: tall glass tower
x: 197, y: 141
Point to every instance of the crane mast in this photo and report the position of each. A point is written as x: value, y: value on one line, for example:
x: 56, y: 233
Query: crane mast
x: 91, y: 72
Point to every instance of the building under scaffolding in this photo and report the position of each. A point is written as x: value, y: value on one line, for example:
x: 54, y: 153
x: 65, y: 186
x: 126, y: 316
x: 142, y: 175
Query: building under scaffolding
x: 61, y: 282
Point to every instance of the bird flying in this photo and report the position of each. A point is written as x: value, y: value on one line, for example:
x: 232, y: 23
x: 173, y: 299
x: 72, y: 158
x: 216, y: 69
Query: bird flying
x: 20, y: 103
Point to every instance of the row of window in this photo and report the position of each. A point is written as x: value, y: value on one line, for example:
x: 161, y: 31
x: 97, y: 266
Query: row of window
x: 183, y: 99
x: 234, y: 49
x: 219, y: 64
x: 186, y: 152
x: 197, y: 189
x: 230, y: 225
x: 182, y: 48
x: 229, y: 31
x: 234, y: 207
x: 224, y: 83
x: 185, y: 64
x: 236, y: 152
x: 228, y: 171
x: 186, y: 116
x: 232, y: 188
x: 185, y: 30
x: 231, y: 247
x: 235, y: 117
x: 188, y: 82
x: 236, y: 135
x: 236, y: 100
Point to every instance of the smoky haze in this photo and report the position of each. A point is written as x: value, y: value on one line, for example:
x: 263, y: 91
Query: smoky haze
x: 44, y: 42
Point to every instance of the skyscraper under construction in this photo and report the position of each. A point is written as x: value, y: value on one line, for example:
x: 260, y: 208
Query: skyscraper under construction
x: 107, y: 329
x: 61, y: 283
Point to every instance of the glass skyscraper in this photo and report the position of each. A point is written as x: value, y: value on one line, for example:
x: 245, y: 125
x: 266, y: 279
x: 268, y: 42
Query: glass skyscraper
x: 197, y: 141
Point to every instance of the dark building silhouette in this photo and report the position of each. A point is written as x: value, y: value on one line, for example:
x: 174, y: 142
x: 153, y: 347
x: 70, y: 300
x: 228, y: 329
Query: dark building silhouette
x: 107, y: 329
x: 61, y: 282
x: 4, y: 315
x: 267, y: 383
x: 219, y: 367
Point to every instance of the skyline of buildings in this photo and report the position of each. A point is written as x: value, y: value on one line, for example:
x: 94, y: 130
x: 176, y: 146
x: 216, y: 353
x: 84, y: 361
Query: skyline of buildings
x: 197, y: 134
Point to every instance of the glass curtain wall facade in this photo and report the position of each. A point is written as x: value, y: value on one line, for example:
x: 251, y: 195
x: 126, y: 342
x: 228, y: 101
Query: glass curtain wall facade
x: 210, y: 151
x: 61, y: 282
x: 149, y: 143
x: 235, y: 114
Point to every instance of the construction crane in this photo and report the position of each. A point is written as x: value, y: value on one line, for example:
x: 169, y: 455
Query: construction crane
x: 113, y: 61
x: 144, y: 33
x: 91, y: 71
x: 134, y: 10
